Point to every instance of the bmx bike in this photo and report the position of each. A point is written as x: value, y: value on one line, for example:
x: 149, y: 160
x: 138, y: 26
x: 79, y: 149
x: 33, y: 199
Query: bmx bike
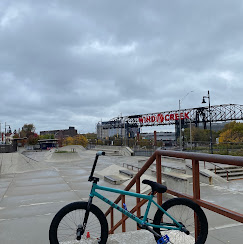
x: 174, y: 222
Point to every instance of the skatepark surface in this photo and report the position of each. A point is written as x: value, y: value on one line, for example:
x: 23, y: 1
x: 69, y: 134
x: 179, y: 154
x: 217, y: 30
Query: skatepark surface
x: 35, y: 185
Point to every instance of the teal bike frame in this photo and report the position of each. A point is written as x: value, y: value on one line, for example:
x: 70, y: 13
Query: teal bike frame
x: 142, y: 222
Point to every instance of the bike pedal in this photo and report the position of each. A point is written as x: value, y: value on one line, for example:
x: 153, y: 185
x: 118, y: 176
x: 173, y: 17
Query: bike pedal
x: 125, y: 206
x: 163, y: 240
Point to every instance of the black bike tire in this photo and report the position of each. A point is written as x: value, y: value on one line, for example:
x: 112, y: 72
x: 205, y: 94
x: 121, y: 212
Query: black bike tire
x: 75, y: 206
x: 197, y: 209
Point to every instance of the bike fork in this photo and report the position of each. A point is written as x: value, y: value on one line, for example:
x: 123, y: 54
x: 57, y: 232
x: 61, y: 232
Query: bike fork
x: 82, y: 227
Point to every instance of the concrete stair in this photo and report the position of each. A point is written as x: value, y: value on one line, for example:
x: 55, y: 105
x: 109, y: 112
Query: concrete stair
x: 234, y: 172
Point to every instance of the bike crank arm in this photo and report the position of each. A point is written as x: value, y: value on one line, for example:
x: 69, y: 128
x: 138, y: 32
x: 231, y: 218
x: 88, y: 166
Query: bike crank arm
x: 155, y: 233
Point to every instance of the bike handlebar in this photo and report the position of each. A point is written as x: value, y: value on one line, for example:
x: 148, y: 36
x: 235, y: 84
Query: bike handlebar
x: 100, y: 153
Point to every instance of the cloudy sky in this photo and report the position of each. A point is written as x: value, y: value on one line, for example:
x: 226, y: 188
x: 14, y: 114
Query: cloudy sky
x: 74, y: 62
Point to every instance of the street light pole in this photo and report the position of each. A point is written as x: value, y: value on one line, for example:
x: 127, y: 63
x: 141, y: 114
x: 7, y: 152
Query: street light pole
x: 6, y: 131
x: 210, y: 121
x: 180, y: 117
x: 180, y: 121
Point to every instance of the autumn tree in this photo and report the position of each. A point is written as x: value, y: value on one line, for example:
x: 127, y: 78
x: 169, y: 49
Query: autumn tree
x: 232, y: 132
x: 68, y: 141
x: 80, y: 140
x: 76, y: 140
x: 33, y: 139
x: 28, y: 131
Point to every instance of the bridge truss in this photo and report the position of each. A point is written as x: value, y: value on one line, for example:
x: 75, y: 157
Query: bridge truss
x: 219, y: 113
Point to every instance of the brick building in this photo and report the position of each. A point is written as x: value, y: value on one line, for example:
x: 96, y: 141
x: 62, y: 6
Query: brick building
x: 60, y: 133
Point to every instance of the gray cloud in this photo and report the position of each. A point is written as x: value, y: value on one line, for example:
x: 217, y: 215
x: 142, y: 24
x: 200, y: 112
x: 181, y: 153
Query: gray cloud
x: 76, y: 62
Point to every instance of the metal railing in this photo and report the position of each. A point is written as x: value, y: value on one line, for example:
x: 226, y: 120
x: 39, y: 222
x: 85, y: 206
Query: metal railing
x: 217, y: 166
x: 195, y: 157
x: 130, y: 166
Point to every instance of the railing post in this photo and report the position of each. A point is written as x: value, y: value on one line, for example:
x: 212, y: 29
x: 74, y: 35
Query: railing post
x: 159, y: 177
x: 123, y: 215
x: 196, y: 190
x: 112, y: 220
x: 138, y: 199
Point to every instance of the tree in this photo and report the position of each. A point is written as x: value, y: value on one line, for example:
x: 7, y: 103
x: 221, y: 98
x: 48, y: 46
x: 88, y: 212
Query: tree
x: 47, y: 136
x: 80, y: 140
x: 68, y: 141
x: 232, y: 132
x: 27, y: 130
x: 33, y: 139
x: 76, y: 140
x: 200, y: 135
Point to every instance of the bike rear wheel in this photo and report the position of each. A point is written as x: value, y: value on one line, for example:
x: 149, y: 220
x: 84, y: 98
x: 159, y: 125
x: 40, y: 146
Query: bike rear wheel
x: 184, y: 211
x: 66, y: 222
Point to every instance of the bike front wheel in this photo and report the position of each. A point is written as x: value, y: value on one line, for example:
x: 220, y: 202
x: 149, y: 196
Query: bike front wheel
x: 186, y: 212
x: 65, y: 224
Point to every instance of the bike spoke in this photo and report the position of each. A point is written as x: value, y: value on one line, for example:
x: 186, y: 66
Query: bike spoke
x: 68, y: 227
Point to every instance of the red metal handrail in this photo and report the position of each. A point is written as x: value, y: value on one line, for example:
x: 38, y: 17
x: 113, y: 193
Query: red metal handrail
x: 196, y: 158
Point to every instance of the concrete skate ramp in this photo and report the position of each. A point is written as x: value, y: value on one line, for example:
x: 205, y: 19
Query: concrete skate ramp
x: 64, y: 157
x: 65, y: 154
x: 18, y: 163
x: 77, y: 148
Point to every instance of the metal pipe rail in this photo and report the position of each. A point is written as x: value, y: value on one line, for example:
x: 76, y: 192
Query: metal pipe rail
x: 195, y: 157
x: 131, y: 166
x: 217, y: 166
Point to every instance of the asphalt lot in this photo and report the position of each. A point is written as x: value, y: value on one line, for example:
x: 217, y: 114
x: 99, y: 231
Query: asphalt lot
x: 32, y: 191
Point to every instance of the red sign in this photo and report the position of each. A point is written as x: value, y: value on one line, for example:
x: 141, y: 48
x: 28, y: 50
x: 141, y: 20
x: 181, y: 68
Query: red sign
x: 160, y: 118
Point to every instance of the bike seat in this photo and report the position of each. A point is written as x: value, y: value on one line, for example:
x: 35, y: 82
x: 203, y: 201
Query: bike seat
x: 155, y: 186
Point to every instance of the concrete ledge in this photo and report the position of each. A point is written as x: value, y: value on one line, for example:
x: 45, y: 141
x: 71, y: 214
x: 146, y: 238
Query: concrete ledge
x: 176, y: 181
x: 178, y: 176
x: 114, y: 179
x: 204, y: 177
